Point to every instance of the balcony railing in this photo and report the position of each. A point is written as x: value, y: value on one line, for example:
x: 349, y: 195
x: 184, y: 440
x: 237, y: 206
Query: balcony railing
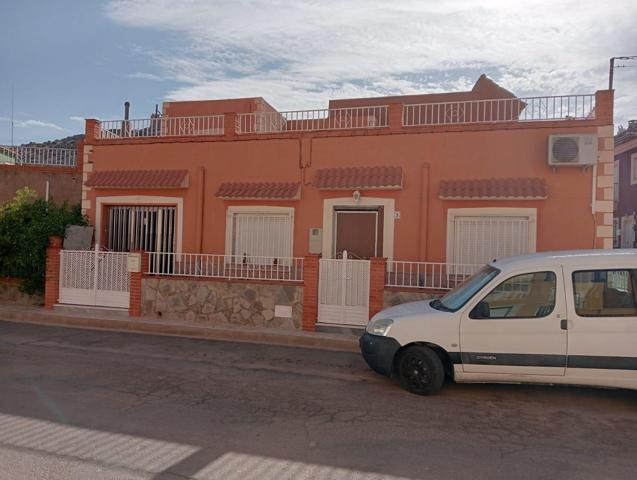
x: 312, y: 120
x: 430, y: 275
x: 43, y: 156
x: 289, y: 269
x: 530, y: 109
x: 162, y: 127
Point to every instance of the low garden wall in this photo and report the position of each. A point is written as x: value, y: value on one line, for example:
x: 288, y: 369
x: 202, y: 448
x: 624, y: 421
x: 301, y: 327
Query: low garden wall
x: 10, y: 294
x: 222, y: 302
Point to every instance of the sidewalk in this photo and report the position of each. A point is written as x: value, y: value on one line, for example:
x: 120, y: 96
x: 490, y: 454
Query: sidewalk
x: 116, y: 321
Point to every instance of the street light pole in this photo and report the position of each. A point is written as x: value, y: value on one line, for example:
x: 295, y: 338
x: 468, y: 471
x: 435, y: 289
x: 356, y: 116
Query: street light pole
x: 612, y: 68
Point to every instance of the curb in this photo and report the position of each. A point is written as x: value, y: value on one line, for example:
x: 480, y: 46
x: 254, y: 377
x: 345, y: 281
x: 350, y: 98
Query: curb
x: 323, y: 341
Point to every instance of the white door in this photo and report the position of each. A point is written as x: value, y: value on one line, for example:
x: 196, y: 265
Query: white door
x: 478, y: 239
x: 94, y: 278
x: 602, y: 326
x: 517, y: 326
x: 343, y: 291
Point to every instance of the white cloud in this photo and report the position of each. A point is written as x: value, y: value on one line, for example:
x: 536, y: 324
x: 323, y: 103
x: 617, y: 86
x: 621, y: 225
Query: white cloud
x: 299, y: 54
x: 31, y: 123
x: 146, y: 76
x: 76, y: 118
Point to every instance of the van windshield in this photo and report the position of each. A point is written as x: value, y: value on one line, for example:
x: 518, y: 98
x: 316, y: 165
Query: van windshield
x: 460, y: 295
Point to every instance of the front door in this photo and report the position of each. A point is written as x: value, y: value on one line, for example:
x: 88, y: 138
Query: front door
x: 359, y: 232
x: 518, y: 326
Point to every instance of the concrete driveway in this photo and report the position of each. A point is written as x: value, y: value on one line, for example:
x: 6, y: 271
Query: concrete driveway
x: 78, y: 404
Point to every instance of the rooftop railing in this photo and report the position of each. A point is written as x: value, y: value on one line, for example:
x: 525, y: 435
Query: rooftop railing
x: 43, y: 156
x: 162, y: 127
x: 312, y: 120
x: 529, y: 109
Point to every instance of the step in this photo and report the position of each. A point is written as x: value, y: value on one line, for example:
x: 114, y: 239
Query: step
x: 90, y: 310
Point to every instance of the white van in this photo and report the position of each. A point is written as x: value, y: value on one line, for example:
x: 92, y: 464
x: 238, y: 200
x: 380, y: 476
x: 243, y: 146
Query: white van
x: 562, y: 317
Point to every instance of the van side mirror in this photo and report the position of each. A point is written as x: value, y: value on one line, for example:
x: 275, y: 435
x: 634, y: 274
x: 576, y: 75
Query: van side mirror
x: 481, y: 310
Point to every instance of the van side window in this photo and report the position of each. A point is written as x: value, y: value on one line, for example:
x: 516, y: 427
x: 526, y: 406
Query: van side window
x: 531, y: 295
x: 605, y: 293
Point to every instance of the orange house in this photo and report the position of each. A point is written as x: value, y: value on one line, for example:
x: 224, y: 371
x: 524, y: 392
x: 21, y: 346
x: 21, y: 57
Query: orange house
x: 452, y: 179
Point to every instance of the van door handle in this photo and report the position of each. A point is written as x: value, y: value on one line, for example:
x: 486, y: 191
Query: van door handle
x: 564, y: 324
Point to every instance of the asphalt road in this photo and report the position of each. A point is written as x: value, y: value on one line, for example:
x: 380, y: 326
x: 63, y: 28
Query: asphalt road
x: 79, y: 404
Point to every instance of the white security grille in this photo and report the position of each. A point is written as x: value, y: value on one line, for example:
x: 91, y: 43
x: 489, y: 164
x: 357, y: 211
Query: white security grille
x: 257, y: 236
x: 94, y: 278
x: 480, y: 239
x: 141, y: 228
x: 343, y: 291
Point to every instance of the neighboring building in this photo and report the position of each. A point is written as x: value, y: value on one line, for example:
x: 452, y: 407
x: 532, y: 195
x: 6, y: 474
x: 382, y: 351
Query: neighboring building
x: 452, y: 180
x: 626, y: 186
x: 49, y: 168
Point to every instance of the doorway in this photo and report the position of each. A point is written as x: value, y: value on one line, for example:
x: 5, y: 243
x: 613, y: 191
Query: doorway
x: 359, y: 231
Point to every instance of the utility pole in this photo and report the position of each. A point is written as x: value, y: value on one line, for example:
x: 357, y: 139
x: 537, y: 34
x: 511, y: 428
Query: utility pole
x: 613, y: 67
x: 12, y: 96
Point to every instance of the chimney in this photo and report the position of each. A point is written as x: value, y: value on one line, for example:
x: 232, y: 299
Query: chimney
x: 126, y: 110
x: 632, y: 126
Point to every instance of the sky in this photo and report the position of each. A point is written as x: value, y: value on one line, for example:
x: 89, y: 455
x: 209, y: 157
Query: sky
x: 73, y: 59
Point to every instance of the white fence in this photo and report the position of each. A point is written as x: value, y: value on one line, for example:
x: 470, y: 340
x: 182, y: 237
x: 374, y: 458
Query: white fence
x: 92, y: 277
x: 431, y: 275
x: 311, y: 120
x: 343, y: 296
x: 56, y: 157
x: 226, y: 266
x: 162, y: 127
x: 529, y: 109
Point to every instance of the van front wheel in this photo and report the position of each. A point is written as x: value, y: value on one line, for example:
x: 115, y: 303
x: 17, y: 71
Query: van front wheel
x: 420, y: 370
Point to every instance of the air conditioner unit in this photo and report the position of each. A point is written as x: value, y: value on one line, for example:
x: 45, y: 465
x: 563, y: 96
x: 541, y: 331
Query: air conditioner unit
x: 572, y: 150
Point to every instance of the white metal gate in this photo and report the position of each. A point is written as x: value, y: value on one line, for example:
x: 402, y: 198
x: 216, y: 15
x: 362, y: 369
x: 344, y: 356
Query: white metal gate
x: 343, y: 291
x: 94, y: 278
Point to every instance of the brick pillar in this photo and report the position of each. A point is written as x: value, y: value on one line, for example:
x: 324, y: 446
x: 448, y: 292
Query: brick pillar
x: 377, y: 269
x: 135, y: 299
x: 92, y: 130
x: 310, y: 291
x: 395, y: 117
x: 52, y: 275
x: 230, y: 124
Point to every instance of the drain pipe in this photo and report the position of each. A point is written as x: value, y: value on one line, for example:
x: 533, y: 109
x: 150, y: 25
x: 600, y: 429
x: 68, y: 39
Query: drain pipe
x: 46, y: 191
x: 593, y: 197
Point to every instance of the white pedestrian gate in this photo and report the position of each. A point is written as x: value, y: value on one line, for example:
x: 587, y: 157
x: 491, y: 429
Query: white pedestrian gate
x: 343, y: 291
x: 91, y: 277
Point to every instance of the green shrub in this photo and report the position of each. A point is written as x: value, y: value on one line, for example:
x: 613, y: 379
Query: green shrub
x: 26, y: 223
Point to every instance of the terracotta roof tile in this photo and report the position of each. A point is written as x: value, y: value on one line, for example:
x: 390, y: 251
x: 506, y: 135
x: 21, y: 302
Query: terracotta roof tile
x: 139, y: 179
x: 260, y: 190
x: 494, y: 189
x: 359, y: 178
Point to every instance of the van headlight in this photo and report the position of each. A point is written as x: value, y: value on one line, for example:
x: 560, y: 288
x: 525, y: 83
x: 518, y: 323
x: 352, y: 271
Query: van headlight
x: 380, y: 327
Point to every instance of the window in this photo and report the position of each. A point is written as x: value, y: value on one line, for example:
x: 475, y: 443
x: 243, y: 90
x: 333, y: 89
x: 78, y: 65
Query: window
x: 478, y: 235
x: 531, y: 295
x: 261, y: 235
x: 605, y: 293
x: 633, y: 169
x: 456, y: 298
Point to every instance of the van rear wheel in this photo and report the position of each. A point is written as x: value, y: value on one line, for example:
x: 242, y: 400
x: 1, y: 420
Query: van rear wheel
x: 420, y: 370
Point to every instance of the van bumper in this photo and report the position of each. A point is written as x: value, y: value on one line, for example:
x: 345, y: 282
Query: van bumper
x: 379, y: 352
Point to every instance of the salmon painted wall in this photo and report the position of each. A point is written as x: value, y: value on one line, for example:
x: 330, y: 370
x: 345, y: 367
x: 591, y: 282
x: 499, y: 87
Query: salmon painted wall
x: 564, y: 219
